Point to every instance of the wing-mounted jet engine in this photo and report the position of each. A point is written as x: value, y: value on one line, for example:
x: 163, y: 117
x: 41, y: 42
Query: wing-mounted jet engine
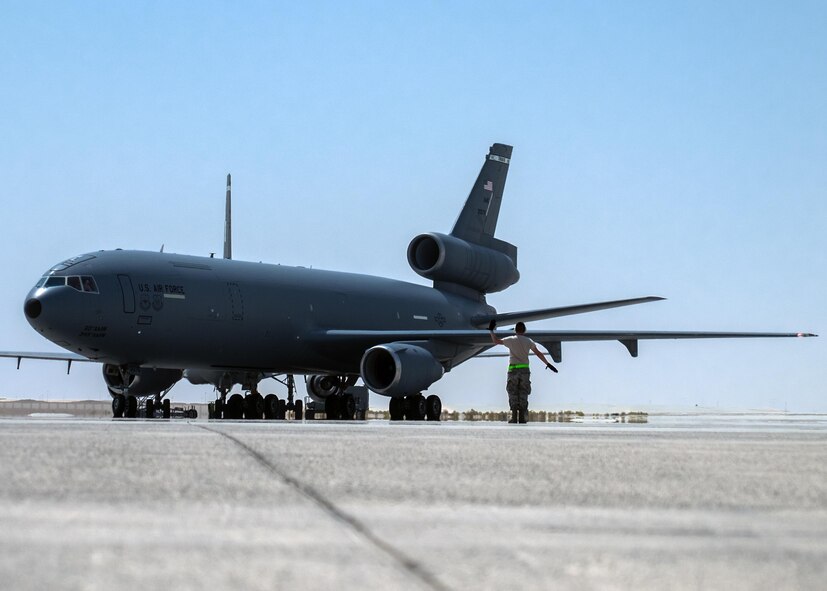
x: 402, y: 371
x: 399, y: 369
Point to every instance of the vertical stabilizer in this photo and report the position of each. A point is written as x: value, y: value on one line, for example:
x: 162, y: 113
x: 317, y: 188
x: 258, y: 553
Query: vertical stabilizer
x: 228, y: 223
x: 477, y: 221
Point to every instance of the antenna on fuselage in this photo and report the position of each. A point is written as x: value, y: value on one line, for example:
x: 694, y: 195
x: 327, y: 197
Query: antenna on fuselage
x: 228, y: 223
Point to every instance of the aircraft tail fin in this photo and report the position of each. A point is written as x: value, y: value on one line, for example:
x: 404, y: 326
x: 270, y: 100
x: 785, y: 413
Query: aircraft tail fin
x: 470, y: 262
x: 228, y: 223
x: 477, y: 222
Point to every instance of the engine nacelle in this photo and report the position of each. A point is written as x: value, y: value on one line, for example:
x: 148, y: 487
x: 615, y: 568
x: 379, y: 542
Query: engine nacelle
x: 321, y: 387
x: 399, y: 369
x: 453, y: 260
x: 146, y: 381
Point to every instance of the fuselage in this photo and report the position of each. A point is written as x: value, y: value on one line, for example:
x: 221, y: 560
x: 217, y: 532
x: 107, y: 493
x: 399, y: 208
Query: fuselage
x: 176, y: 311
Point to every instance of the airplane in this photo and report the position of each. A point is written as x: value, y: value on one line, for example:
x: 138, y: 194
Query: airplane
x: 154, y: 318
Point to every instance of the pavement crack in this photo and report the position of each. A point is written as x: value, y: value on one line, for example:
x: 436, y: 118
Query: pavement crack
x: 406, y: 563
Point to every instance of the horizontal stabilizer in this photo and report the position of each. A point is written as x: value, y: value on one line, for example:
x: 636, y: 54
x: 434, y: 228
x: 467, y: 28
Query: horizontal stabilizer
x: 531, y: 315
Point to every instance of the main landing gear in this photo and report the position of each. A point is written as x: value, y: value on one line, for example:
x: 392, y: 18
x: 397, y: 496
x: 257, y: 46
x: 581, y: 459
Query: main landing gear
x: 341, y: 407
x: 255, y: 406
x: 415, y: 408
x: 130, y: 407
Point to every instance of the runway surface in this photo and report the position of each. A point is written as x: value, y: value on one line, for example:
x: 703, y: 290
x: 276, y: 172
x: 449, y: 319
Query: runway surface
x: 678, y: 503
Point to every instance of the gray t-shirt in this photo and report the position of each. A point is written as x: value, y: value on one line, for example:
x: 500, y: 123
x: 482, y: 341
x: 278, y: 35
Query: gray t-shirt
x: 518, y: 345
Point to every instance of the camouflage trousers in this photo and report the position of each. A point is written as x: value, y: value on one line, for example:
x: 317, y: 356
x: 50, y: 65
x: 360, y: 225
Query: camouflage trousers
x: 518, y: 387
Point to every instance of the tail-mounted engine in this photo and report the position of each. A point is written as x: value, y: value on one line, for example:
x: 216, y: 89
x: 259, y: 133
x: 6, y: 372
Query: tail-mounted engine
x: 141, y: 383
x: 399, y: 369
x: 448, y: 259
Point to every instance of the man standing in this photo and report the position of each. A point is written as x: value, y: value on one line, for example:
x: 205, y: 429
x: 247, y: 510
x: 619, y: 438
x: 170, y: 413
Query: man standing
x: 518, y: 384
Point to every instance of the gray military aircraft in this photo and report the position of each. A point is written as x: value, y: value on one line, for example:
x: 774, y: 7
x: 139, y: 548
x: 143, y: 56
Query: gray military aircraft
x: 152, y: 318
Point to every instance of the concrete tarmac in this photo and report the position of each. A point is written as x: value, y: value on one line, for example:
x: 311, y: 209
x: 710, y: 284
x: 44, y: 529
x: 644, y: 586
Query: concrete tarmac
x: 686, y: 503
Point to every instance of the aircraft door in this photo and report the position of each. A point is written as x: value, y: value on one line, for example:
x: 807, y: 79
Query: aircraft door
x: 236, y: 301
x: 128, y: 294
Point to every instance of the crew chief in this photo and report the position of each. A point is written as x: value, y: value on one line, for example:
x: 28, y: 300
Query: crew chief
x: 518, y: 384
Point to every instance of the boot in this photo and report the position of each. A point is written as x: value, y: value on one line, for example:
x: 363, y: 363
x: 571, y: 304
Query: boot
x: 514, y: 417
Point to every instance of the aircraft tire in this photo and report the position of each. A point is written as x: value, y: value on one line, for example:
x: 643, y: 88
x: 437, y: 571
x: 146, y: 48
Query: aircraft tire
x: 234, y: 409
x: 218, y: 413
x: 347, y: 407
x: 433, y: 407
x: 281, y: 412
x: 331, y: 408
x: 396, y: 409
x: 253, y: 407
x: 118, y: 405
x: 131, y: 407
x: 298, y: 410
x: 271, y: 407
x: 166, y: 412
x: 415, y: 407
x: 150, y: 408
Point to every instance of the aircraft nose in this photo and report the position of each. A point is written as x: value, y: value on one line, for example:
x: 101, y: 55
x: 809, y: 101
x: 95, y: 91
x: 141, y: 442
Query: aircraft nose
x: 33, y: 308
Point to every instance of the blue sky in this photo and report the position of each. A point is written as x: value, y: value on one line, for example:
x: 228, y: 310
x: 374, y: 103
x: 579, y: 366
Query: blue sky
x: 673, y: 149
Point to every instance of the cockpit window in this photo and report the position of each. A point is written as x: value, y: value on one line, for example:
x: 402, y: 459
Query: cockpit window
x: 55, y: 281
x: 89, y: 284
x: 84, y: 283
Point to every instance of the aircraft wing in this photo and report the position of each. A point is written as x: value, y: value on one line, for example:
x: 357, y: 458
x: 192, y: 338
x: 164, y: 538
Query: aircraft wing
x: 550, y: 339
x: 531, y: 315
x: 67, y: 357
